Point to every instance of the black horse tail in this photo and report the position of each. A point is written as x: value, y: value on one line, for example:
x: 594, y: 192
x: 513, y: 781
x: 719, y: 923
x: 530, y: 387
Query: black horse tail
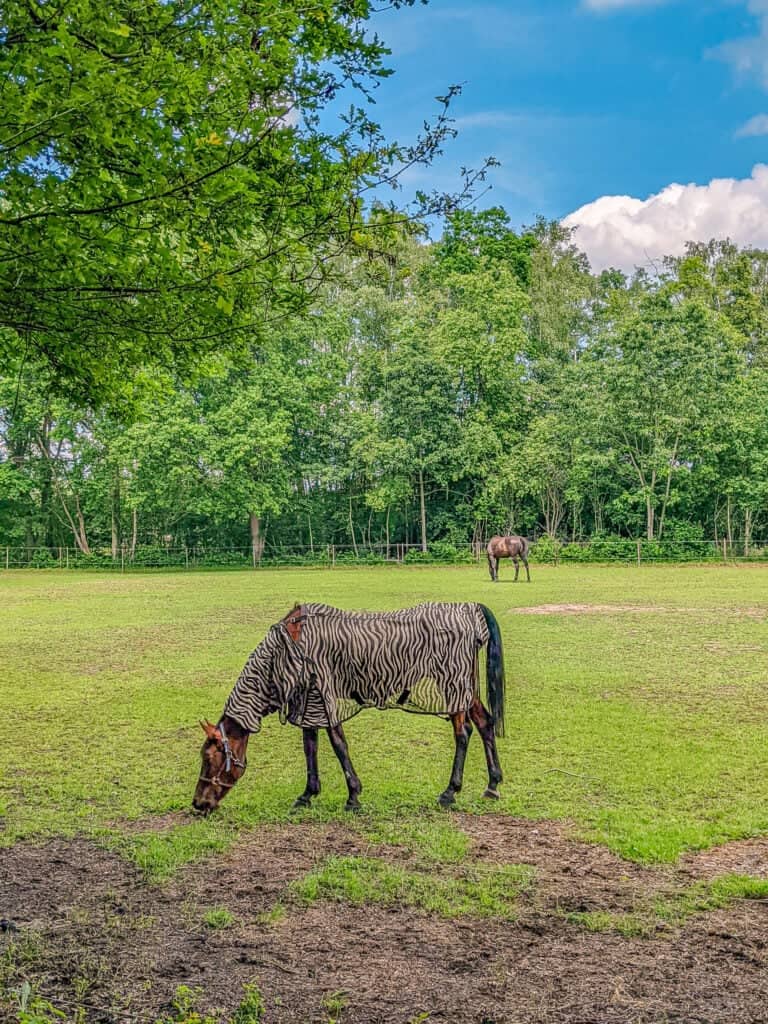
x: 494, y: 671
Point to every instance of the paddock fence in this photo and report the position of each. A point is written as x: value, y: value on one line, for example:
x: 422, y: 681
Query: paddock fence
x: 543, y: 550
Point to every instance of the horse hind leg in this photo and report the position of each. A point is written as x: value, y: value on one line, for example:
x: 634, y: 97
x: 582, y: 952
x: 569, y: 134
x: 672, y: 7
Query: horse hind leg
x: 482, y: 719
x: 313, y: 775
x: 517, y: 566
x: 527, y: 570
x: 462, y: 730
x: 354, y: 785
x: 493, y: 567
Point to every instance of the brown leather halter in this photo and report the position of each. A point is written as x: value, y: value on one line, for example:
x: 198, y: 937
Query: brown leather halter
x: 229, y: 760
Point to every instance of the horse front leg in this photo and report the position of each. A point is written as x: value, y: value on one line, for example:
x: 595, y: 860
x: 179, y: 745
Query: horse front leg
x: 527, y: 570
x: 462, y: 730
x: 482, y: 719
x: 313, y: 775
x: 354, y: 785
x: 517, y: 568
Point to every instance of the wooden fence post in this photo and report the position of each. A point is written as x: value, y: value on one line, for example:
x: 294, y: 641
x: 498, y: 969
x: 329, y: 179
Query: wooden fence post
x: 725, y: 549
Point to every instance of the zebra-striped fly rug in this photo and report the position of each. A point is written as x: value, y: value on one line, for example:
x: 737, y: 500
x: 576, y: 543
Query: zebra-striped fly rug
x: 321, y: 665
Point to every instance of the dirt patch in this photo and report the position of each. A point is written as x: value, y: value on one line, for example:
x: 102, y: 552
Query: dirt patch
x: 716, y: 614
x: 570, y: 875
x: 586, y: 609
x: 155, y: 823
x: 127, y: 945
x: 742, y: 857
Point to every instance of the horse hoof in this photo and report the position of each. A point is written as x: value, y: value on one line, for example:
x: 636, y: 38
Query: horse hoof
x: 300, y: 803
x: 446, y: 800
x: 491, y: 794
x: 355, y: 807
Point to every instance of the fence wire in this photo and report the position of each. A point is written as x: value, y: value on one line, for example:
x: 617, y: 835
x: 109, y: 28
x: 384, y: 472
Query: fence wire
x: 545, y: 550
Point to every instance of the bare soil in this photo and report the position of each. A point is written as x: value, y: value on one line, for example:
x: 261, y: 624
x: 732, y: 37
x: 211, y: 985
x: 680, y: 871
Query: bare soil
x: 585, y: 609
x: 719, y: 614
x: 120, y: 946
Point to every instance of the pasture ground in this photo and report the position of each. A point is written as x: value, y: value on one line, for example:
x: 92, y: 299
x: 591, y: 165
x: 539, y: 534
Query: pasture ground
x: 622, y: 877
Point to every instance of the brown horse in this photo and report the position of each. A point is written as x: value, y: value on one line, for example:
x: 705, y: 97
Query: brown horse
x: 513, y: 547
x: 317, y: 657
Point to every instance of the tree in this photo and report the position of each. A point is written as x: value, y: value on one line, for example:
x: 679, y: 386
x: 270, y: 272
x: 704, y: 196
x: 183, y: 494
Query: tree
x: 742, y: 446
x: 247, y: 423
x: 167, y: 185
x: 659, y: 370
x: 560, y: 289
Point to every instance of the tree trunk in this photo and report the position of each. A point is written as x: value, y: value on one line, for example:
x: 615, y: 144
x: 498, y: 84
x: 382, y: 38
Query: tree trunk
x: 552, y: 508
x: 423, y: 512
x: 714, y: 518
x: 352, y: 528
x: 728, y: 522
x: 597, y: 514
x: 386, y: 527
x: 257, y: 541
x: 46, y: 486
x: 116, y: 516
x: 649, y: 517
x: 747, y: 530
x: 134, y: 531
x: 669, y: 485
x: 80, y: 534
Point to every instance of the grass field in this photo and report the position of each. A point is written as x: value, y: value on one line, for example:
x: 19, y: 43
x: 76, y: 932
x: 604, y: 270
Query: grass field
x: 636, y: 716
x: 642, y: 717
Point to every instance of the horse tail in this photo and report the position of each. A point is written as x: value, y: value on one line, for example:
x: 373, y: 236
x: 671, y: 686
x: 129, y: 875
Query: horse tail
x: 494, y: 671
x: 526, y: 546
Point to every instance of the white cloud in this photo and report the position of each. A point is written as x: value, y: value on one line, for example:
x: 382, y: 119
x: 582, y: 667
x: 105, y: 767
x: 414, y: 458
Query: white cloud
x: 757, y: 125
x: 624, y: 232
x: 748, y: 56
x: 620, y: 5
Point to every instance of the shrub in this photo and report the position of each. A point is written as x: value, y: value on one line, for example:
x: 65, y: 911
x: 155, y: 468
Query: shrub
x: 417, y: 557
x: 94, y: 560
x: 546, y: 549
x: 214, y: 558
x: 444, y: 551
x: 154, y: 556
x: 43, y: 559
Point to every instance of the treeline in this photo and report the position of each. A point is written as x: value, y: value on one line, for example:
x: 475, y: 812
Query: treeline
x: 434, y: 393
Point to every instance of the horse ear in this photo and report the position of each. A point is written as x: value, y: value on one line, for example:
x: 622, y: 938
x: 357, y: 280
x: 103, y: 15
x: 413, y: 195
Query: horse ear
x: 210, y: 730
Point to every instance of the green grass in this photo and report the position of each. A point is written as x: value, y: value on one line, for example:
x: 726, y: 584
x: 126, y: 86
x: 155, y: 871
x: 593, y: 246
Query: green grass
x: 480, y: 891
x: 646, y: 729
x: 431, y: 837
x: 218, y: 917
x: 674, y: 910
x: 160, y: 854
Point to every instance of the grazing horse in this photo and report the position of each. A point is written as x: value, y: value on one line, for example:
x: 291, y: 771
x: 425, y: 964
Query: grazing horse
x: 319, y: 666
x: 507, y: 547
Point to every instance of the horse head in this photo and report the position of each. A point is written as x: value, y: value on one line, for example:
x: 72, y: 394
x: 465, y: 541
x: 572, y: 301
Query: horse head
x: 223, y: 763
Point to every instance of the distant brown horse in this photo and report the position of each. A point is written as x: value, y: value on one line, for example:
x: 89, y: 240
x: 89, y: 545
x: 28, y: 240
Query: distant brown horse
x: 515, y: 548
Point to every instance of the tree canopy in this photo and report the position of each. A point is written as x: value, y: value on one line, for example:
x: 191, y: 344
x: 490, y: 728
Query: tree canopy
x: 169, y: 184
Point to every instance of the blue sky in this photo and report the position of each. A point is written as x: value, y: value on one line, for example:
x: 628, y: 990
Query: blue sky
x: 581, y: 99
